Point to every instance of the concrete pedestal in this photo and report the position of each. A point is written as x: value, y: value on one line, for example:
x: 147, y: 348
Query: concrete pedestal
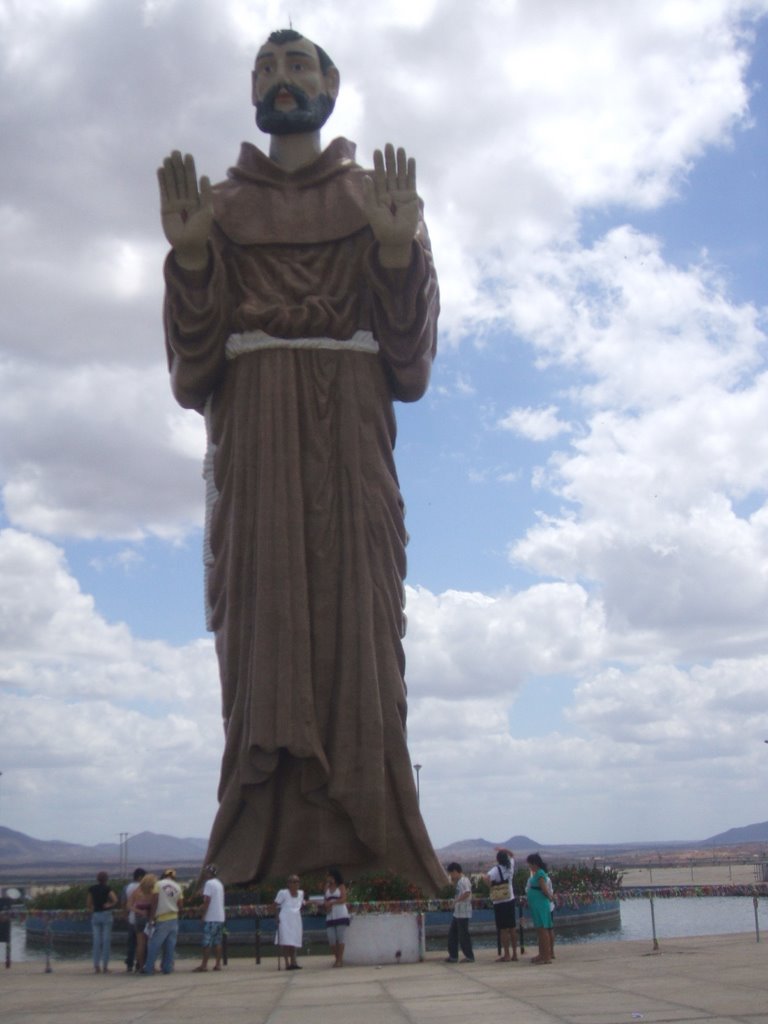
x: 385, y: 939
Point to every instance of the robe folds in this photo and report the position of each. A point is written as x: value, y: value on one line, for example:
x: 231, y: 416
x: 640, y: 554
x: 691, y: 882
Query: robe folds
x: 294, y: 343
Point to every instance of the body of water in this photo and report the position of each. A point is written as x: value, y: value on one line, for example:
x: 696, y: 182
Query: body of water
x: 675, y: 918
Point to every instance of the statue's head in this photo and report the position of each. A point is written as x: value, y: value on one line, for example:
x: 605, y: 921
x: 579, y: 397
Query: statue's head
x: 295, y: 84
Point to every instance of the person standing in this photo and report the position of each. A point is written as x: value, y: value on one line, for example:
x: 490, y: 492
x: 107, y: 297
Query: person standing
x: 289, y: 933
x: 538, y: 891
x: 100, y: 901
x: 214, y: 916
x: 125, y: 901
x: 164, y: 918
x: 336, y: 914
x: 140, y: 904
x: 458, y: 933
x: 499, y: 878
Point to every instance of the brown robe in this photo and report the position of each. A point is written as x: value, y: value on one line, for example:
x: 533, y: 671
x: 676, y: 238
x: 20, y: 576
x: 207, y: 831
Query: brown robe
x: 307, y: 539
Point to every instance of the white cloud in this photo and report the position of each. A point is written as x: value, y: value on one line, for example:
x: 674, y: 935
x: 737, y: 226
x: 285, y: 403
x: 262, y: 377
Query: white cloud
x: 660, y: 752
x: 671, y: 446
x: 540, y: 424
x: 641, y: 330
x: 685, y: 585
x: 98, y: 450
x: 523, y: 117
x: 462, y: 643
x: 99, y: 717
x: 141, y: 772
x: 54, y: 643
x: 624, y: 118
x: 677, y: 714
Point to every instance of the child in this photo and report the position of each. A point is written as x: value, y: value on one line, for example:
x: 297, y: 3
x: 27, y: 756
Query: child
x: 458, y: 933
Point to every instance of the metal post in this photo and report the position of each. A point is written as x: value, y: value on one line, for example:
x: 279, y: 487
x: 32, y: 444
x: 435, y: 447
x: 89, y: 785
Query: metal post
x: 757, y: 924
x: 123, y: 854
x: 417, y: 769
x: 48, y: 941
x: 653, y: 928
x: 6, y: 929
x: 257, y: 931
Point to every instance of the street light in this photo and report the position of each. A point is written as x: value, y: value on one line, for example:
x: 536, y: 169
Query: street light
x: 123, y: 852
x: 417, y: 769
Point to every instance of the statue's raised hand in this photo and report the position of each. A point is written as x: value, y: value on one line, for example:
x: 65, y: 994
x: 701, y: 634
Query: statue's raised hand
x: 186, y: 210
x: 392, y: 205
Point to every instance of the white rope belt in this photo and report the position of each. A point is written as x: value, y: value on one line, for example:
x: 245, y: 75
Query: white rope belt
x: 254, y: 341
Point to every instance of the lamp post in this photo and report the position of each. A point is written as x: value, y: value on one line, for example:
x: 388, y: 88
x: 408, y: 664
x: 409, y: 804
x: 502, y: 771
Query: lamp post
x: 417, y: 769
x: 123, y: 853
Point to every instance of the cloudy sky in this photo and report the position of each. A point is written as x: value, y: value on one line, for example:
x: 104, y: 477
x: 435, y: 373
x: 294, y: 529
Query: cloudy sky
x: 586, y: 481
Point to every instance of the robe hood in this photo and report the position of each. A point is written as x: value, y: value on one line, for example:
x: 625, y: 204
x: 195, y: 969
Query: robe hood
x: 261, y: 204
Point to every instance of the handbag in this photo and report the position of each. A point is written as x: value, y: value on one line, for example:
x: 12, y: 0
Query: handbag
x: 500, y: 891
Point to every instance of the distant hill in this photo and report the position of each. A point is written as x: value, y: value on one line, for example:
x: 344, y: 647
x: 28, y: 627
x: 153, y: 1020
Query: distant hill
x: 17, y: 849
x: 476, y: 850
x: 152, y: 847
x: 757, y: 833
x: 474, y: 853
x: 152, y: 850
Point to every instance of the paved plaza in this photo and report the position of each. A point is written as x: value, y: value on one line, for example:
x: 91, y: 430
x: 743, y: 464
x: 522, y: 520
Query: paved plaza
x: 713, y: 979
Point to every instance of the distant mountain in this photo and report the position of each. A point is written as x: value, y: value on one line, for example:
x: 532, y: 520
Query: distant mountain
x: 152, y: 850
x: 473, y: 850
x: 520, y: 843
x: 19, y: 849
x: 473, y: 853
x: 152, y: 847
x: 757, y: 833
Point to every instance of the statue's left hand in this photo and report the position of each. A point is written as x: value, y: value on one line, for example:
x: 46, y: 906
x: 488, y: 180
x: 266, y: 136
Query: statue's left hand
x: 392, y: 205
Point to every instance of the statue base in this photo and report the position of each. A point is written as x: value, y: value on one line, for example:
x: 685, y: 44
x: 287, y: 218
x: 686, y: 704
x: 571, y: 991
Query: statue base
x: 385, y: 939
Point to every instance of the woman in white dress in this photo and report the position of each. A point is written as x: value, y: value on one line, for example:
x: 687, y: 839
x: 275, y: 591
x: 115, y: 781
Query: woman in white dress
x: 289, y: 931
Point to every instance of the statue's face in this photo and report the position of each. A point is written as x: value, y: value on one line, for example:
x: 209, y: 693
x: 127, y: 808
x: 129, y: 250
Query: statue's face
x: 290, y: 92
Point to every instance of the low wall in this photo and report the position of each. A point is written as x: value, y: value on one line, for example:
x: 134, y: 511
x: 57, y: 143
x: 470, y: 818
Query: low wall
x: 395, y: 935
x: 602, y: 915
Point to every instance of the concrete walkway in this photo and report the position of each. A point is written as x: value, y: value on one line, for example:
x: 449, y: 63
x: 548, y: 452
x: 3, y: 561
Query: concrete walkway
x: 713, y: 979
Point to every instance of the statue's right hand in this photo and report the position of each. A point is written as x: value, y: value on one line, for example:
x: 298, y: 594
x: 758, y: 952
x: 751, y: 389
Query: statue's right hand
x: 186, y: 210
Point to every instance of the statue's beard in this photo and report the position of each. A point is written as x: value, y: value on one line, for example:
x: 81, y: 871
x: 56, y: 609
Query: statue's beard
x: 308, y: 116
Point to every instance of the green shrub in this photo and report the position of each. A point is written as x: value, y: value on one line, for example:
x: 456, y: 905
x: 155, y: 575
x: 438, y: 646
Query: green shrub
x: 582, y: 878
x: 73, y: 898
x: 519, y: 879
x: 480, y: 888
x: 382, y: 886
x: 263, y: 893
